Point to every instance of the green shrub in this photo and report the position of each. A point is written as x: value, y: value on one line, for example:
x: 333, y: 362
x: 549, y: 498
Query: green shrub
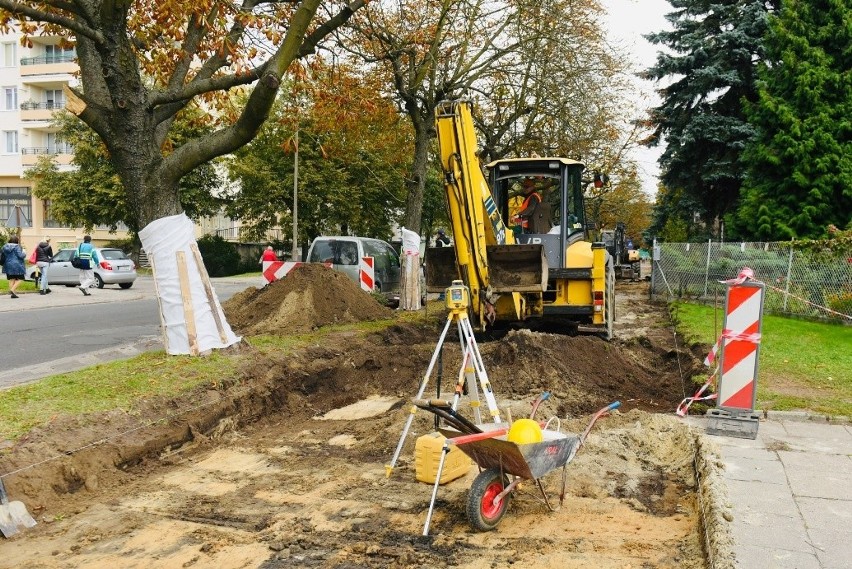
x: 840, y: 302
x: 221, y: 258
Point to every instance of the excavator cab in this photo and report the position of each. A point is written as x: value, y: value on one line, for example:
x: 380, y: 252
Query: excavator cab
x: 557, y: 181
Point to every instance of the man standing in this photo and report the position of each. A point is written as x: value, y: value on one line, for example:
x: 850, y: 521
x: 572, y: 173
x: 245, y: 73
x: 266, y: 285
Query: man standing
x: 441, y: 239
x: 88, y: 259
x: 44, y: 254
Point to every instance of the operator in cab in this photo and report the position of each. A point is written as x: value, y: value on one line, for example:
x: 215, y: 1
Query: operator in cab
x: 531, y: 218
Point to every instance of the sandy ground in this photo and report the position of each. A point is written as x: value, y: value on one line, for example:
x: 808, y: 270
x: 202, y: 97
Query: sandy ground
x: 251, y: 475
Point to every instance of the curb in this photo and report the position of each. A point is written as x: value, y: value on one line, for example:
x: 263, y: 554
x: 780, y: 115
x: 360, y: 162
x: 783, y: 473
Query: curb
x: 804, y: 417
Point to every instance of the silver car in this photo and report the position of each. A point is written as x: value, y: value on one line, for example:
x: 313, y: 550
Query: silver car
x: 114, y: 267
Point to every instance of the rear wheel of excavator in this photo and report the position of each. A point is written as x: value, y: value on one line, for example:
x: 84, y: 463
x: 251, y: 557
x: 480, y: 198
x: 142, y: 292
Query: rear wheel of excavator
x: 609, y: 302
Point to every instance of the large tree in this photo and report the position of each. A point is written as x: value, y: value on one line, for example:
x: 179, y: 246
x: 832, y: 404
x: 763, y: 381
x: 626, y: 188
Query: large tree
x: 799, y: 178
x: 708, y: 71
x: 431, y: 50
x: 142, y: 62
x: 91, y: 194
x: 354, y: 152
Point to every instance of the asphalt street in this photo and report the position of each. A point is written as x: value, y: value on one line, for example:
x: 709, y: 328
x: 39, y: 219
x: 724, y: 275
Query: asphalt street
x: 66, y: 331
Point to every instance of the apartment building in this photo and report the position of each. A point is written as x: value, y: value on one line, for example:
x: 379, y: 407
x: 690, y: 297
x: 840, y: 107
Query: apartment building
x: 31, y: 83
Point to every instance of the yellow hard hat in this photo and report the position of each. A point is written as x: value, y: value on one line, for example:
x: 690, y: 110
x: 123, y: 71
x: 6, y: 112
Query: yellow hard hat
x: 525, y: 431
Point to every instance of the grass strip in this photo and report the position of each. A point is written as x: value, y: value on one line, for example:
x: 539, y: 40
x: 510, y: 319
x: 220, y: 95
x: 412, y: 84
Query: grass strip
x: 803, y: 365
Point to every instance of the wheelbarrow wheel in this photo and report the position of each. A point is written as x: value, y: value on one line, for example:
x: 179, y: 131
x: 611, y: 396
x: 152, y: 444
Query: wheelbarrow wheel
x: 482, y: 512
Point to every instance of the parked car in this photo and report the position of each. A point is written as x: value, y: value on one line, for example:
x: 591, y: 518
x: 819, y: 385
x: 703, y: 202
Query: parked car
x: 114, y: 267
x: 344, y: 253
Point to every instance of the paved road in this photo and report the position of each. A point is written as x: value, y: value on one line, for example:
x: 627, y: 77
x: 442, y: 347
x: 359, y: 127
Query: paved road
x: 65, y: 331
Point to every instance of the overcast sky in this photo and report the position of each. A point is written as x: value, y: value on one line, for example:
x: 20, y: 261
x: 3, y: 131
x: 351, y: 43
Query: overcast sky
x: 627, y: 21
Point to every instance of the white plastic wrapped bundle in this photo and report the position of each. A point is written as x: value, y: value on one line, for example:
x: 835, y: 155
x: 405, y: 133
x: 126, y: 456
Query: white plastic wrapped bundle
x: 192, y: 318
x: 409, y: 297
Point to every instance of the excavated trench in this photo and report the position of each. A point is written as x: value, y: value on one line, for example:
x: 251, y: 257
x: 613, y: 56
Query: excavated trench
x: 247, y: 475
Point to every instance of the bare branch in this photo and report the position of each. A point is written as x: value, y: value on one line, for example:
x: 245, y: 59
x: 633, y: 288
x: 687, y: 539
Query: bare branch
x: 27, y: 12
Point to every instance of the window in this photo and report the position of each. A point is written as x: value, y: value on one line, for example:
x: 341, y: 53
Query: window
x: 335, y: 251
x: 9, y: 50
x: 56, y: 54
x: 56, y: 145
x: 54, y: 99
x: 11, y: 197
x: 48, y: 216
x: 10, y: 141
x: 10, y: 98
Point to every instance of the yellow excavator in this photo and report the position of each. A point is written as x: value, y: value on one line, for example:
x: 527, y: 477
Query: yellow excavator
x: 538, y: 270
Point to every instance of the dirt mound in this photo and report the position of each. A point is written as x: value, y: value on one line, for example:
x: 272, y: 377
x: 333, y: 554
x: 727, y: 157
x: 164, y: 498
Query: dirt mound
x: 310, y: 297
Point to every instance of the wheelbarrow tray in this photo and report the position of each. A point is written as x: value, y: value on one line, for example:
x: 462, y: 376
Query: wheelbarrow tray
x: 529, y: 461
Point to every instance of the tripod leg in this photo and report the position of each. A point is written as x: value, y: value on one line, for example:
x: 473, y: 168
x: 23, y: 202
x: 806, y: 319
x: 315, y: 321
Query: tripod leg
x: 479, y: 367
x: 389, y: 467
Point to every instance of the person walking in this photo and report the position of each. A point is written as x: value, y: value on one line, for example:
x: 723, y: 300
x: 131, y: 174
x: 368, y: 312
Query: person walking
x: 44, y: 254
x: 88, y: 259
x: 12, y: 258
x: 268, y: 255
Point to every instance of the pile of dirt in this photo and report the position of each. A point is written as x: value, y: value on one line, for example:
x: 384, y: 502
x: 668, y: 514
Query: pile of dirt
x: 310, y: 297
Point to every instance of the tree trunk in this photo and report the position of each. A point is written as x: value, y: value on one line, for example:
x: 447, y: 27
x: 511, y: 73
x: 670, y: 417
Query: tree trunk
x: 416, y: 184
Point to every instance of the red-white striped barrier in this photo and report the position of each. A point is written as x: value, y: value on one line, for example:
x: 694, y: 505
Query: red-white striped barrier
x: 277, y: 270
x: 367, y: 274
x: 740, y: 345
x: 741, y: 338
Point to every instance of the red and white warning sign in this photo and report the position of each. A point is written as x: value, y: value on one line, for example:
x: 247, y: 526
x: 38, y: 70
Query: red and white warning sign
x: 275, y: 270
x: 366, y: 274
x: 740, y: 345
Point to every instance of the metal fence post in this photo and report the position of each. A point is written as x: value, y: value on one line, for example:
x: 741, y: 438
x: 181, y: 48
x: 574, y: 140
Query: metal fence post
x: 653, y: 267
x: 707, y: 268
x: 789, y: 272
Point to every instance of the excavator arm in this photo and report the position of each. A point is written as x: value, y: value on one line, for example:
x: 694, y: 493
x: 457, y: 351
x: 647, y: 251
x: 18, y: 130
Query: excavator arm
x: 502, y: 275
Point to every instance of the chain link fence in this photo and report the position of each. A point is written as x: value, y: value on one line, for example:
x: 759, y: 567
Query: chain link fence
x: 798, y: 283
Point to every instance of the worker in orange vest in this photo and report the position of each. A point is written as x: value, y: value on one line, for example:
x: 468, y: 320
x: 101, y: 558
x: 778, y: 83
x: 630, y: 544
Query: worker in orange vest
x: 531, y: 200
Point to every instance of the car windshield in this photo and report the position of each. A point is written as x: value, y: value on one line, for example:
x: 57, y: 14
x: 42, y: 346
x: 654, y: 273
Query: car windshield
x: 112, y: 254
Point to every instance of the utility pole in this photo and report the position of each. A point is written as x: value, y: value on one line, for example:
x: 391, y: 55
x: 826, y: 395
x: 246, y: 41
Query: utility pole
x: 295, y: 254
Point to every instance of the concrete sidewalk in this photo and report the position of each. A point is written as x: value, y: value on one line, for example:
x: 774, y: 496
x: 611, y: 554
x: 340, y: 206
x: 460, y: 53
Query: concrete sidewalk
x: 791, y: 493
x: 71, y: 296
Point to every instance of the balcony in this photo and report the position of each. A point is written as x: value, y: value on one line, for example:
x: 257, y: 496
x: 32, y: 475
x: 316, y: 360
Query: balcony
x: 29, y: 156
x: 48, y: 65
x: 32, y: 111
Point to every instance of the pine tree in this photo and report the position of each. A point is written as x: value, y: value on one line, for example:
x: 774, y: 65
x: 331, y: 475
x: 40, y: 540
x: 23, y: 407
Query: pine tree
x: 713, y: 47
x: 799, y: 167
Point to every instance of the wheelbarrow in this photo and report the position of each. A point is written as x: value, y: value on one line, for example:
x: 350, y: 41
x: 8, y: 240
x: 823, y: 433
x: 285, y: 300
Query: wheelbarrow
x: 505, y: 464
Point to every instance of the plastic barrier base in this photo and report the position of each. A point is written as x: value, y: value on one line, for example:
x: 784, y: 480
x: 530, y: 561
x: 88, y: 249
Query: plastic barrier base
x: 742, y: 425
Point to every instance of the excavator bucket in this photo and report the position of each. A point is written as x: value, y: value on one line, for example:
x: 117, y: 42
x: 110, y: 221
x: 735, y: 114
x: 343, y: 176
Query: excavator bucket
x: 517, y: 268
x: 441, y: 268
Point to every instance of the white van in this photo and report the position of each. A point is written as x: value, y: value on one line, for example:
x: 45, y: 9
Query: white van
x: 345, y: 252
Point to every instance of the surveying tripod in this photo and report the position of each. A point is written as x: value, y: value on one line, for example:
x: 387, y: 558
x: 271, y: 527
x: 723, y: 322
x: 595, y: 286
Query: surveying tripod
x: 472, y: 372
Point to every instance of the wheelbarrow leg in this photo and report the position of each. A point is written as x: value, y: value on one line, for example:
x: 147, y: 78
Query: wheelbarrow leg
x: 544, y: 495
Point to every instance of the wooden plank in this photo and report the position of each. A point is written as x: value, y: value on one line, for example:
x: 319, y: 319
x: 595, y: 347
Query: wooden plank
x: 160, y: 305
x: 186, y: 295
x: 208, y: 290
